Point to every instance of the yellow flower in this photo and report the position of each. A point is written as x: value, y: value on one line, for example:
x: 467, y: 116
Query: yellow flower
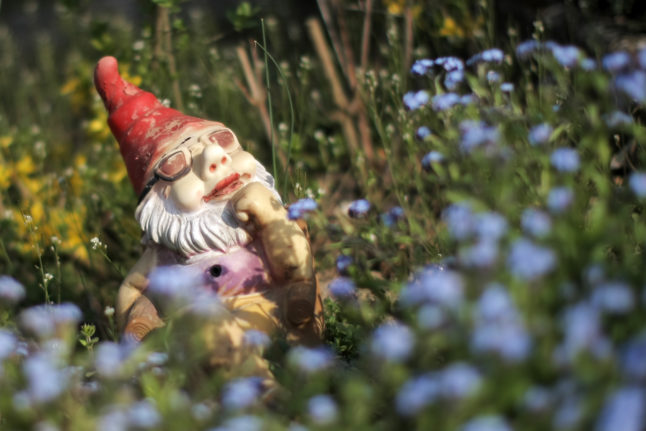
x: 5, y: 141
x: 4, y: 177
x: 25, y: 166
x: 450, y: 28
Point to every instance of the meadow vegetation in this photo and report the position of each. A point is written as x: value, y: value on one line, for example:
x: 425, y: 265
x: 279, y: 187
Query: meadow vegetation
x: 475, y: 200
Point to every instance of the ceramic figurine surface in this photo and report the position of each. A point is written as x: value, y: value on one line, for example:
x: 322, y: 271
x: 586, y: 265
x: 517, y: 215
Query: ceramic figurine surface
x: 208, y: 205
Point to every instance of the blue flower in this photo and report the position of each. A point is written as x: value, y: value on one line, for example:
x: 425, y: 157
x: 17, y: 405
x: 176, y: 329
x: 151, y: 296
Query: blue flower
x: 459, y: 380
x: 423, y: 132
x: 392, y: 342
x: 497, y: 326
x: 535, y: 222
x: 11, y: 291
x: 565, y: 160
x: 641, y: 58
x: 486, y: 423
x: 310, y: 359
x: 526, y: 48
x: 343, y: 262
x: 241, y: 393
x: 537, y: 398
x: 450, y: 63
x: 431, y: 158
x: 613, y: 297
x: 342, y: 288
x: 460, y: 220
x: 616, y: 61
x: 529, y: 261
x: 241, y: 423
x: 430, y: 316
x: 588, y: 64
x: 45, y: 381
x: 559, y: 199
x: 582, y: 327
x: 506, y: 87
x: 143, y: 414
x: 8, y: 344
x: 482, y: 254
x: 633, y: 364
x: 453, y: 79
x: 415, y: 394
x: 436, y: 286
x: 359, y: 208
x: 421, y: 67
x: 394, y: 215
x: 322, y: 409
x: 624, y: 410
x: 109, y: 358
x: 493, y: 55
x: 637, y: 183
x: 540, y: 134
x: 490, y: 226
x: 467, y: 99
x: 442, y: 102
x: 566, y: 56
x: 493, y: 77
x: 476, y: 134
x: 633, y: 84
x: 298, y: 209
x: 617, y: 119
x: 416, y: 99
x: 568, y: 414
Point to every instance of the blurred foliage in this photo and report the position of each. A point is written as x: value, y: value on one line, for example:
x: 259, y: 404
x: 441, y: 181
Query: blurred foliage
x: 460, y: 308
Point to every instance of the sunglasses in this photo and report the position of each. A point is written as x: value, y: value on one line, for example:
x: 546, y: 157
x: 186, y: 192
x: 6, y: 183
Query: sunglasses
x: 179, y: 161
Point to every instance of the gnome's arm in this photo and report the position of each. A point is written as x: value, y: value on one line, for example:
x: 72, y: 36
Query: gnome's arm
x: 136, y: 314
x: 289, y: 257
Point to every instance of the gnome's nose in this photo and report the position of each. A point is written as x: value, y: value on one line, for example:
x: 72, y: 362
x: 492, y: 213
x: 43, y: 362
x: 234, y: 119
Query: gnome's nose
x: 214, y: 161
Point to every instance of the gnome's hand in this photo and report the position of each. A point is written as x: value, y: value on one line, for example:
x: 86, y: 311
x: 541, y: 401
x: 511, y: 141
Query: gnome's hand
x: 256, y: 205
x: 289, y: 258
x: 284, y: 242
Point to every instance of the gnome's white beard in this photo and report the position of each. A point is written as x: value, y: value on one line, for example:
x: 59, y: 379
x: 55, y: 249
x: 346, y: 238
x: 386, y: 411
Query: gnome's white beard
x: 212, y: 227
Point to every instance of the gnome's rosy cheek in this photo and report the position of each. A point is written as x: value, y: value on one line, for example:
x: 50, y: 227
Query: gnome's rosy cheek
x: 244, y: 164
x: 187, y: 192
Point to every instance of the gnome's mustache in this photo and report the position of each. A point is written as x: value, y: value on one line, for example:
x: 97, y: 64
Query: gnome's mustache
x: 212, y: 227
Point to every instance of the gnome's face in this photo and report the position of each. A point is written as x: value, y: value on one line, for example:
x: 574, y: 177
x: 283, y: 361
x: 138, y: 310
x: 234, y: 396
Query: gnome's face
x: 208, y: 165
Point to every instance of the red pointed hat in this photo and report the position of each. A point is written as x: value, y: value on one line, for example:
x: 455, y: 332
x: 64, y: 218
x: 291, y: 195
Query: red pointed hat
x: 144, y: 128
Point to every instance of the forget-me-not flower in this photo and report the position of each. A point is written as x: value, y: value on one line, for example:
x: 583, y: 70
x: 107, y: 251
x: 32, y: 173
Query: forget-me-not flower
x: 431, y: 158
x: 342, y: 288
x: 637, y: 183
x: 486, y: 423
x: 624, y: 410
x: 442, y: 102
x: 535, y: 222
x: 322, y: 409
x: 633, y: 85
x: 417, y: 393
x: 416, y: 99
x: 392, y: 341
x: 559, y: 199
x: 529, y: 261
x: 540, y: 134
x: 565, y: 160
x: 11, y: 291
x: 359, y: 208
x: 616, y: 61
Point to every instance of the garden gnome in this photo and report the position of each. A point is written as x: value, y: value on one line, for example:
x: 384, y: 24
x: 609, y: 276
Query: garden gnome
x: 208, y: 205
